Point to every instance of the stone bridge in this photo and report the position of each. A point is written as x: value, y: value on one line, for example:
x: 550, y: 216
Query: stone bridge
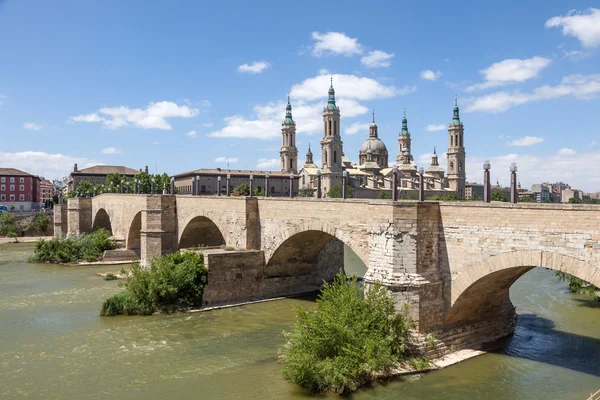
x: 451, y: 262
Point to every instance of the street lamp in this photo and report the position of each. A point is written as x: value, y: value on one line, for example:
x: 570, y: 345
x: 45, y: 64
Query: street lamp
x: 267, y: 176
x: 487, y: 187
x: 318, y: 184
x: 153, y: 186
x: 219, y: 185
x: 395, y: 183
x: 421, y: 185
x: 228, y: 185
x: 172, y: 186
x: 291, y: 185
x: 251, y: 185
x: 513, y: 183
x: 344, y: 183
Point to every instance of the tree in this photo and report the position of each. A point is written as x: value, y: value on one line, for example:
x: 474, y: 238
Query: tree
x: 498, y: 195
x: 259, y: 192
x: 384, y: 196
x: 306, y: 192
x: 243, y: 189
x: 446, y: 197
x: 336, y: 192
x: 575, y: 200
x: 85, y: 189
x: 527, y: 200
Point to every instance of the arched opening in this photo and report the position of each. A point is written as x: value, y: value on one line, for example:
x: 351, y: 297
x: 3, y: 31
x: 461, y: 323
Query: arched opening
x: 201, y: 232
x: 303, y: 261
x: 134, y: 236
x: 102, y: 220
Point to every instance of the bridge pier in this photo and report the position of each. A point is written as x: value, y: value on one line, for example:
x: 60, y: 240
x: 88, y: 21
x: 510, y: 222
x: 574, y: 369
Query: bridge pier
x: 60, y: 220
x: 158, y: 233
x: 79, y: 216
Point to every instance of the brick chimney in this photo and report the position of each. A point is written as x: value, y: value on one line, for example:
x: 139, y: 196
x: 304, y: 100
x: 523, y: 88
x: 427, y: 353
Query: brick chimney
x: 75, y: 168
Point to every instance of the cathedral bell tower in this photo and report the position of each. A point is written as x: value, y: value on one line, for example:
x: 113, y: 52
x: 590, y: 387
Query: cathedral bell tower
x: 404, y: 142
x: 331, y: 144
x: 288, y: 153
x: 456, y: 154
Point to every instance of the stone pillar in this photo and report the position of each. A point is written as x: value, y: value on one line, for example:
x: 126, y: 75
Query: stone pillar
x: 60, y: 220
x: 79, y: 216
x: 172, y: 191
x: 228, y: 185
x: 344, y: 183
x: 318, y: 184
x: 395, y: 183
x: 487, y: 186
x: 251, y: 185
x: 514, y: 194
x: 253, y: 237
x: 158, y: 233
x: 267, y: 175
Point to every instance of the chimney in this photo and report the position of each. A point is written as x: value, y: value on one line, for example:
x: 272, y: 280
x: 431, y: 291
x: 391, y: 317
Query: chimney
x: 75, y: 168
x: 146, y: 169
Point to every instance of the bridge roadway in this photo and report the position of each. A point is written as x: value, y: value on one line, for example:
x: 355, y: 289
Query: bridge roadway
x: 452, y: 262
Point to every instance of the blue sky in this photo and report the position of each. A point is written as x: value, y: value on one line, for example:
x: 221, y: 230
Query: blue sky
x: 181, y: 85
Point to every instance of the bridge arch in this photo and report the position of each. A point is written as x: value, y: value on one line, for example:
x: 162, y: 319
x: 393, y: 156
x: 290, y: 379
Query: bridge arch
x: 134, y: 235
x: 481, y: 290
x: 102, y: 220
x: 201, y: 230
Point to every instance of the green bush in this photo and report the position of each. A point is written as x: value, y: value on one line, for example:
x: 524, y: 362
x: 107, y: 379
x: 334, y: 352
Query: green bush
x: 8, y: 224
x: 243, y: 189
x: 41, y: 223
x: 384, y: 196
x: 173, y: 281
x: 350, y: 335
x: 68, y: 250
x: 336, y: 192
x: 110, y: 277
x: 577, y: 285
x: 306, y: 192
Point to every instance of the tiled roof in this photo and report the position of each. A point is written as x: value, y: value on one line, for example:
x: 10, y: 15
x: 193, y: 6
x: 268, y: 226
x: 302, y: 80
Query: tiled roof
x: 233, y: 172
x: 108, y: 169
x: 13, y: 171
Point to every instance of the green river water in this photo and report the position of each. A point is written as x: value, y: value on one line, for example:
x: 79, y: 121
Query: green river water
x: 54, y: 345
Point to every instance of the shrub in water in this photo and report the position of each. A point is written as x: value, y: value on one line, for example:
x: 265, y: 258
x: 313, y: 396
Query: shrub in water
x: 67, y: 250
x: 350, y: 335
x: 172, y: 281
x: 110, y: 277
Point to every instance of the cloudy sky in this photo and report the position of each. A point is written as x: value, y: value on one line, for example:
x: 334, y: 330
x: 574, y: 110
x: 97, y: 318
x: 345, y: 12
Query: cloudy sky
x: 185, y: 84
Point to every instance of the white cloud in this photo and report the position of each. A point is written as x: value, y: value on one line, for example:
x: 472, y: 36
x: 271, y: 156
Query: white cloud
x: 592, y: 144
x: 356, y: 127
x: 510, y: 71
x: 207, y: 124
x: 254, y: 68
x: 435, y: 127
x: 111, y: 150
x: 323, y: 71
x: 336, y: 43
x: 154, y: 116
x: 346, y: 86
x: 429, y: 75
x: 33, y: 126
x: 565, y: 151
x: 526, y: 141
x: 51, y: 166
x: 573, y: 169
x: 584, y: 25
x: 226, y: 160
x: 582, y: 87
x: 266, y: 163
x: 377, y: 59
x: 155, y: 142
x: 192, y: 134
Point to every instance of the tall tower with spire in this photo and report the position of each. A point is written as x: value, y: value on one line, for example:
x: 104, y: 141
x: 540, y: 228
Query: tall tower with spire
x: 288, y: 153
x: 456, y: 154
x: 331, y: 144
x: 404, y: 142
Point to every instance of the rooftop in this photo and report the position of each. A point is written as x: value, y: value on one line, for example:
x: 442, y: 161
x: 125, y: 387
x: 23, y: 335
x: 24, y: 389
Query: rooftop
x: 232, y: 172
x: 14, y: 172
x: 108, y: 169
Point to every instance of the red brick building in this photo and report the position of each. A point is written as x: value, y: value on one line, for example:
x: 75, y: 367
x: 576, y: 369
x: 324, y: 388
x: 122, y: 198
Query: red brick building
x: 47, y: 191
x: 19, y: 190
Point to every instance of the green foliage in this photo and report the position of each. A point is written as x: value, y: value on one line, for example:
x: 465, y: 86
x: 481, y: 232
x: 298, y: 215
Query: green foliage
x: 577, y: 200
x: 306, y: 192
x: 419, y: 364
x: 243, y: 189
x: 350, y: 335
x: 527, y: 200
x: 12, y: 235
x: 172, y: 281
x: 161, y: 182
x: 577, y: 285
x: 68, y: 250
x: 498, y: 195
x: 336, y: 192
x: 431, y: 340
x: 8, y: 224
x: 110, y: 277
x: 41, y: 223
x: 259, y: 192
x: 446, y: 197
x: 384, y: 196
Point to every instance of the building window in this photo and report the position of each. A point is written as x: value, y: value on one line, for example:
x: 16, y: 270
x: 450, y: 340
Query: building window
x: 203, y: 188
x: 291, y: 164
x: 12, y: 197
x: 12, y: 188
x: 303, y: 180
x: 334, y: 157
x: 21, y: 187
x: 22, y: 180
x: 12, y: 180
x: 2, y: 197
x: 3, y: 179
x: 43, y: 190
x: 3, y: 187
x: 22, y: 197
x: 329, y: 127
x: 272, y: 189
x: 451, y: 165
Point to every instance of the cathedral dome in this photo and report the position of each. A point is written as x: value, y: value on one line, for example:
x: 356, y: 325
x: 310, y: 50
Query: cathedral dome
x: 374, y: 144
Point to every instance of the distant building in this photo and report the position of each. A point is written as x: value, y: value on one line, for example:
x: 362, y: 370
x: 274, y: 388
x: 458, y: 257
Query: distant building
x: 473, y: 190
x: 47, y: 191
x: 541, y: 191
x: 98, y: 173
x: 567, y: 194
x: 19, y: 190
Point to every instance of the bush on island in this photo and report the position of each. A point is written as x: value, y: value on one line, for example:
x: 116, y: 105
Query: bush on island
x: 173, y: 281
x: 87, y: 247
x: 351, y: 335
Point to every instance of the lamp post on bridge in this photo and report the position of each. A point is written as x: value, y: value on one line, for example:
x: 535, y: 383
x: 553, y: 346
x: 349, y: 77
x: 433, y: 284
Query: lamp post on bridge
x: 513, y: 183
x: 291, y: 185
x: 344, y: 183
x: 421, y: 184
x: 487, y: 186
x: 395, y: 183
x: 267, y: 176
x: 197, y: 185
x: 153, y: 188
x: 172, y: 186
x: 193, y: 185
x: 228, y: 180
x: 251, y: 185
x: 137, y: 186
x: 318, y: 184
x: 219, y: 185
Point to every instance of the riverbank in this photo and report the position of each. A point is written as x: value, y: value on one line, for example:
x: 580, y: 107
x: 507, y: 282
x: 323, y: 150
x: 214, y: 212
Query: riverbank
x: 24, y: 239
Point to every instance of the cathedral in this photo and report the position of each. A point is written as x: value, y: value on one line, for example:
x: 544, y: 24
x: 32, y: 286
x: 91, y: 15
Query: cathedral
x: 372, y: 174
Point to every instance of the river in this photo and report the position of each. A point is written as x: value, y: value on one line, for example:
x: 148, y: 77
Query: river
x: 54, y: 345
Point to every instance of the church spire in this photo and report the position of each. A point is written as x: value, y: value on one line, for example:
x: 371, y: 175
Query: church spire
x: 404, y: 124
x: 309, y: 156
x: 373, y: 128
x: 455, y: 116
x: 288, y: 113
x: 434, y: 158
x: 331, y: 101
